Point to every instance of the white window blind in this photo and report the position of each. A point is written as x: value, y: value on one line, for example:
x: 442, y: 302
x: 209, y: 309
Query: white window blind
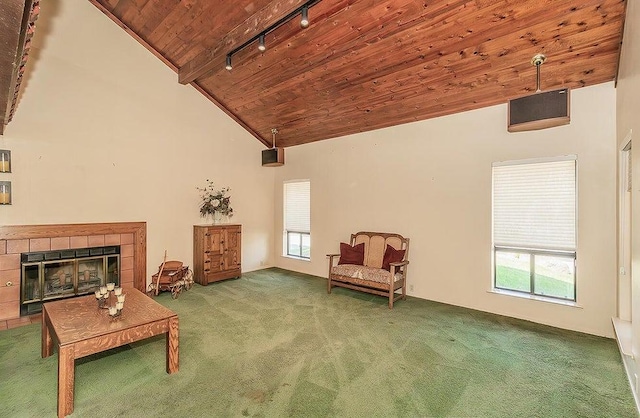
x: 297, y: 197
x: 534, y: 205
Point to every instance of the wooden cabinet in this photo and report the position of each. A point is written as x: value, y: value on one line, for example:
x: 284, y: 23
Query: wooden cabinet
x: 216, y: 252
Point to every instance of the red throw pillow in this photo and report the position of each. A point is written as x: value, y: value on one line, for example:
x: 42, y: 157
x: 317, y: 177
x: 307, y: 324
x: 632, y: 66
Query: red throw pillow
x: 351, y: 255
x: 391, y: 255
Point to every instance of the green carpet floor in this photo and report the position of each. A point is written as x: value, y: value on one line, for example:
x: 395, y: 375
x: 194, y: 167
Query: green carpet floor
x: 273, y: 343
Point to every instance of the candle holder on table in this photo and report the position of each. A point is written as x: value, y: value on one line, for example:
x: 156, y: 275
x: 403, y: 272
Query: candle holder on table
x: 103, y: 296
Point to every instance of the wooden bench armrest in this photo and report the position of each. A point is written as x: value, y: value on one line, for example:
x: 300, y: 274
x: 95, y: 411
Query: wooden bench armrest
x: 399, y: 264
x: 331, y: 257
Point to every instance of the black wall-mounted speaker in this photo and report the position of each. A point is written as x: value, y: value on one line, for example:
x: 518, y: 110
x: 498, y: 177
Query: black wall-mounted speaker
x: 273, y: 157
x: 540, y: 110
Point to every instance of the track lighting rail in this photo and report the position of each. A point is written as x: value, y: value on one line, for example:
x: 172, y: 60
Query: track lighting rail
x: 303, y: 11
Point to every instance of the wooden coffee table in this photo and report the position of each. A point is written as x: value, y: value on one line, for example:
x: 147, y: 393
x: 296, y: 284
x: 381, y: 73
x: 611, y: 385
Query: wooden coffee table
x: 79, y: 328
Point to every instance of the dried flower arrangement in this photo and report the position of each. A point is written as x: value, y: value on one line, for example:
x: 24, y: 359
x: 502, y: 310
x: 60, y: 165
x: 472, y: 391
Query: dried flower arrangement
x: 215, y: 200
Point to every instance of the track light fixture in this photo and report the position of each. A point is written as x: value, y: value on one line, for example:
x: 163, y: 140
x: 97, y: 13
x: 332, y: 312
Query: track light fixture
x: 303, y: 11
x: 304, y: 19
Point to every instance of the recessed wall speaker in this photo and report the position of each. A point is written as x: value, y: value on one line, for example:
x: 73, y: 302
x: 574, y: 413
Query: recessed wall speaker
x: 539, y: 110
x: 273, y: 157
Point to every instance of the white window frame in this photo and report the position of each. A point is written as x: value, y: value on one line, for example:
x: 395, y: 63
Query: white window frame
x: 299, y: 227
x: 532, y: 250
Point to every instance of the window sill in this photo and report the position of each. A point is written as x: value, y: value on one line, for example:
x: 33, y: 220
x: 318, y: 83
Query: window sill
x: 293, y: 257
x: 624, y: 336
x: 536, y: 297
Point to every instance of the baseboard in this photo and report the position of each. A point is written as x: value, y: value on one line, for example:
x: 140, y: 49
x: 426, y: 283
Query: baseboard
x: 624, y: 334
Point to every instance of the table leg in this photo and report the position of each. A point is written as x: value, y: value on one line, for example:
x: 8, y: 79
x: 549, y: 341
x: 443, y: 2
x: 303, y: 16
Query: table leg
x: 66, y: 380
x: 47, y: 343
x: 172, y: 346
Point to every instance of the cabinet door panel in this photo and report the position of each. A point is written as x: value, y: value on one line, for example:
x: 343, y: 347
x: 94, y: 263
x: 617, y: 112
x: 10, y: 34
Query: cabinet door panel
x: 213, y: 263
x: 232, y: 248
x: 213, y: 241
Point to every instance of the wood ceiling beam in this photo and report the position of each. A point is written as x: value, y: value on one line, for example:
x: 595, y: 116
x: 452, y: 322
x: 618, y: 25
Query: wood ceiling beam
x: 213, y: 58
x: 13, y: 34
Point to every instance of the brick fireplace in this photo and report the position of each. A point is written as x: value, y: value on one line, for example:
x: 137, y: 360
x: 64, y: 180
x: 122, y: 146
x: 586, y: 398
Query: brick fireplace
x: 18, y: 239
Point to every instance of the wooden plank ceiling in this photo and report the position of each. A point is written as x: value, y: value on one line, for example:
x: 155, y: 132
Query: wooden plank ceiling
x: 368, y: 64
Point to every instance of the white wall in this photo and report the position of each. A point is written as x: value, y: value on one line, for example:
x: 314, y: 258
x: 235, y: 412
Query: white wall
x: 105, y: 133
x: 431, y: 181
x: 628, y: 124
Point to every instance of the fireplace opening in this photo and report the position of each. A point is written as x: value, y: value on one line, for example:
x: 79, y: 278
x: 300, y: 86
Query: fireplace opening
x: 49, y: 275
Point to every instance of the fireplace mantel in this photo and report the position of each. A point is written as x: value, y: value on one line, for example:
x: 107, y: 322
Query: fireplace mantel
x: 15, y: 239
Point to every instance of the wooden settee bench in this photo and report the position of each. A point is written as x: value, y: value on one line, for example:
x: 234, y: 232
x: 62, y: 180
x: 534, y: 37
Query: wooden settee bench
x: 370, y: 276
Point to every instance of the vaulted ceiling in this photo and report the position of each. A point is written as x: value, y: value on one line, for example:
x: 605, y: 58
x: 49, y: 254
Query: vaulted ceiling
x: 368, y: 64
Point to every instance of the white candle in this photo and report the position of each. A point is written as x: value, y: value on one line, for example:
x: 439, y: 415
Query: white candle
x: 113, y: 311
x: 110, y: 286
x: 121, y: 298
x: 4, y: 162
x: 106, y: 295
x: 4, y: 194
x: 117, y: 291
x: 98, y: 295
x: 103, y: 290
x: 119, y: 306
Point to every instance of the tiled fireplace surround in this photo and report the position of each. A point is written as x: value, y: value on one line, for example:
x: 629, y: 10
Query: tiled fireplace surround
x: 16, y: 239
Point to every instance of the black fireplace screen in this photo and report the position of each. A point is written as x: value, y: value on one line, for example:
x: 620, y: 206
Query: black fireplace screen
x: 51, y: 275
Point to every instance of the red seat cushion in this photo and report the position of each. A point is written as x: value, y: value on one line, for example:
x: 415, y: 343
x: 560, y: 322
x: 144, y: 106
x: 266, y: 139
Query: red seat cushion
x: 391, y: 255
x: 351, y: 255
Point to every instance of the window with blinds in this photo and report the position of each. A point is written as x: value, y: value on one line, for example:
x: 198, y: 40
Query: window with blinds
x: 534, y: 227
x: 297, y: 218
